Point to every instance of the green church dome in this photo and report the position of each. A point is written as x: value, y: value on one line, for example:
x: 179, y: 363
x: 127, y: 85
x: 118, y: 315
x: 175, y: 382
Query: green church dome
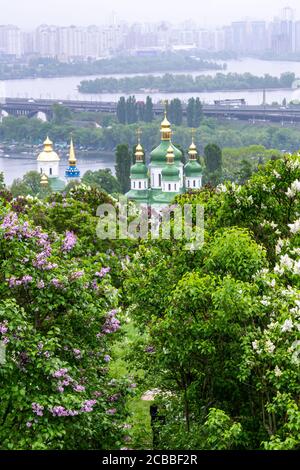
x: 158, y: 155
x: 193, y: 168
x: 170, y: 173
x: 139, y: 171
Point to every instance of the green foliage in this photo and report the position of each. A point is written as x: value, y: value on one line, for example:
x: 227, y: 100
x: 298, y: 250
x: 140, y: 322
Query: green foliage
x: 194, y: 112
x: 169, y: 83
x: 175, y: 113
x: 61, y: 114
x: 102, y: 179
x: 219, y: 328
x: 56, y: 392
x: 2, y: 183
x: 213, y: 163
x: 123, y: 163
x: 28, y: 185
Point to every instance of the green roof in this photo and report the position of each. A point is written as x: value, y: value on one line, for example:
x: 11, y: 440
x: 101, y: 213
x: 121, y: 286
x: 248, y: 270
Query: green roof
x: 170, y: 173
x: 159, y: 197
x: 57, y: 184
x: 139, y: 170
x: 193, y: 168
x: 140, y: 196
x: 160, y: 152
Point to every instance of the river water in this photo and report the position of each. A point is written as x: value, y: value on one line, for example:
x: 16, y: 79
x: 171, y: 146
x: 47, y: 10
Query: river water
x: 15, y: 166
x: 66, y: 88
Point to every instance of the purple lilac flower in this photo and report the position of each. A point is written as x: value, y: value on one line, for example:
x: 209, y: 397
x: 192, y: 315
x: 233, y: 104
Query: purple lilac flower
x: 56, y: 283
x: 5, y: 340
x: 103, y: 272
x: 77, y: 353
x: 37, y: 409
x: 40, y: 285
x: 60, y: 389
x: 29, y: 424
x: 3, y: 327
x: 114, y: 398
x: 79, y: 388
x: 111, y: 411
x: 60, y: 373
x: 47, y: 354
x: 107, y: 358
x: 88, y: 406
x: 97, y: 394
x: 132, y: 385
x: 77, y: 275
x: 69, y: 242
x: 112, y: 324
x: 26, y: 280
x: 59, y: 411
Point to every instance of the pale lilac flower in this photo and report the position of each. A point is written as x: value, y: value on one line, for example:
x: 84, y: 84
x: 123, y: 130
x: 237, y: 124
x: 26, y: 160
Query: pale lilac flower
x: 69, y: 242
x: 112, y: 411
x: 103, y: 272
x: 60, y: 373
x: 3, y: 327
x: 107, y: 358
x: 79, y: 388
x: 77, y: 353
x: 37, y: 409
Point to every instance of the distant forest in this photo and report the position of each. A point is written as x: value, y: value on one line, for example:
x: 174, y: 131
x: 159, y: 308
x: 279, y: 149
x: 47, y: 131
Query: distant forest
x: 185, y: 83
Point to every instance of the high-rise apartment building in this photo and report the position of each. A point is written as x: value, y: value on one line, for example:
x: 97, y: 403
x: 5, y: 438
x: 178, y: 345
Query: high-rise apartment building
x: 10, y: 40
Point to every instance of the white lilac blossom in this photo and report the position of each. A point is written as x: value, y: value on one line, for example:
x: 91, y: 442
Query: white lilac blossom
x: 287, y: 326
x: 293, y: 190
x: 269, y: 346
x: 277, y: 371
x: 295, y: 227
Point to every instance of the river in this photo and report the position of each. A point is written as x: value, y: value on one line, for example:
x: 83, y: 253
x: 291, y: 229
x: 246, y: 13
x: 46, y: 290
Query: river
x: 66, y: 88
x: 16, y: 165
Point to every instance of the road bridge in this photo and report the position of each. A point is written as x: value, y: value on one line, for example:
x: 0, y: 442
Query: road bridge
x: 30, y: 108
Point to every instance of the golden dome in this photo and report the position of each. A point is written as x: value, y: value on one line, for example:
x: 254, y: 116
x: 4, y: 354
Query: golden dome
x: 193, y: 149
x: 44, y: 180
x: 165, y: 129
x: 72, y: 157
x: 48, y: 154
x: 170, y: 155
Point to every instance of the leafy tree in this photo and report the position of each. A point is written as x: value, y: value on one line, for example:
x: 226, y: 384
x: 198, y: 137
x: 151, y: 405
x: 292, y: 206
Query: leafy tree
x: 131, y: 110
x: 121, y: 110
x: 149, y: 115
x: 198, y: 113
x: 215, y: 321
x: 102, y: 179
x: 175, y: 112
x: 2, y: 184
x: 56, y: 392
x: 28, y: 185
x: 123, y: 163
x: 190, y: 112
x: 61, y: 114
x: 213, y: 163
x: 245, y: 171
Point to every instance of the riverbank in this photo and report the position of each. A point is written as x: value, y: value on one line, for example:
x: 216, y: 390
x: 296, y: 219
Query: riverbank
x: 170, y: 83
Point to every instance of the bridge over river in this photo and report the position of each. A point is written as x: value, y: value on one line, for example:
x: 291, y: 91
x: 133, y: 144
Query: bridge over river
x: 30, y: 108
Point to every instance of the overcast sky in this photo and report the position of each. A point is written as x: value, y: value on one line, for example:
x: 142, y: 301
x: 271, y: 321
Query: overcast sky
x: 29, y: 13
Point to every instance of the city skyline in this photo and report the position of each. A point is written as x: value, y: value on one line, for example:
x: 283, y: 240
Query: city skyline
x: 63, y: 12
